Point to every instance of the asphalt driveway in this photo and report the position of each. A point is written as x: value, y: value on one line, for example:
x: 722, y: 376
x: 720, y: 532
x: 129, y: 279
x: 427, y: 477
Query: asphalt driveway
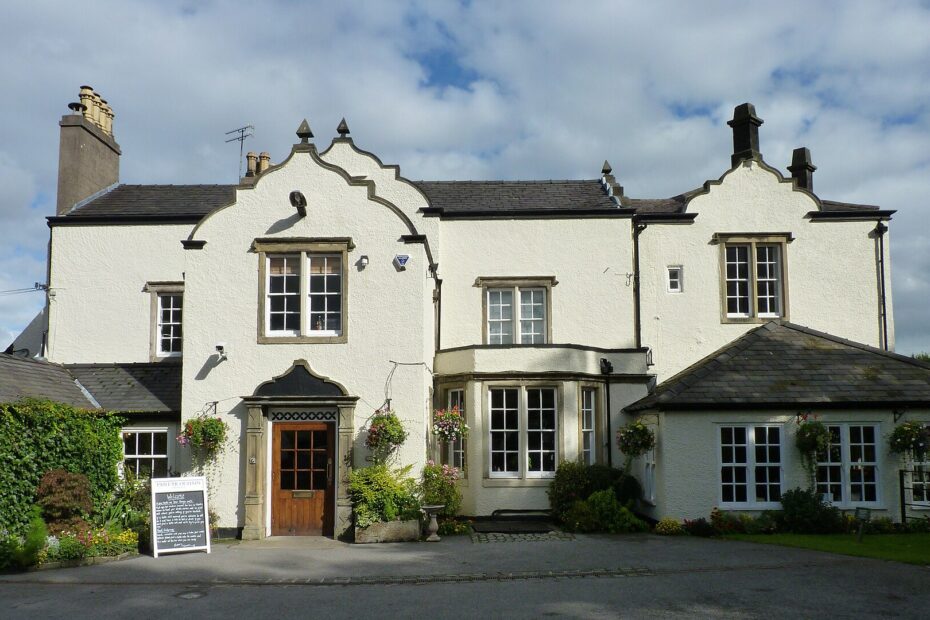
x: 586, y: 576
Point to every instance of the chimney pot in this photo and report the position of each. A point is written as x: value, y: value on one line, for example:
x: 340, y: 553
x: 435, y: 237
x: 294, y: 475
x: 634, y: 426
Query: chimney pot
x: 251, y: 158
x: 802, y: 168
x: 264, y: 161
x: 745, y: 126
x: 76, y: 107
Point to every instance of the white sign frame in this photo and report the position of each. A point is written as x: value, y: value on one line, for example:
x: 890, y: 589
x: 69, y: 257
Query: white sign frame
x: 180, y: 485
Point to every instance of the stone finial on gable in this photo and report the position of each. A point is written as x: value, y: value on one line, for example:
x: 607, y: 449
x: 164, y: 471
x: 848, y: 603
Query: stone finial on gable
x: 606, y: 169
x: 610, y: 182
x: 304, y: 133
x: 343, y: 128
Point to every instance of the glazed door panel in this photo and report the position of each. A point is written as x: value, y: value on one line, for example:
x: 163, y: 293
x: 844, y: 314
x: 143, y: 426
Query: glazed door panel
x: 302, y: 479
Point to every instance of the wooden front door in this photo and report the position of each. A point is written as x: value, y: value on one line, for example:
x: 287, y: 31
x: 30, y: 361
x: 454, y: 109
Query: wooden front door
x: 302, y: 476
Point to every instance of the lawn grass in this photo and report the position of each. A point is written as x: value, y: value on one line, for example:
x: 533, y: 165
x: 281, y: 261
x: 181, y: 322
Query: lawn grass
x: 910, y: 548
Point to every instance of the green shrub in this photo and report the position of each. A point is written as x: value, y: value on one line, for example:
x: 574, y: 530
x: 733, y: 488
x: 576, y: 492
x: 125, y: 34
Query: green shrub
x: 65, y: 500
x: 379, y: 494
x: 765, y: 523
x: 26, y: 554
x: 918, y: 526
x: 627, y: 489
x: 668, y: 526
x: 37, y: 436
x: 439, y: 488
x: 882, y: 525
x: 70, y: 548
x: 454, y: 527
x: 804, y: 512
x: 699, y: 527
x: 575, y: 482
x: 603, y: 513
x: 569, y: 485
x: 726, y: 522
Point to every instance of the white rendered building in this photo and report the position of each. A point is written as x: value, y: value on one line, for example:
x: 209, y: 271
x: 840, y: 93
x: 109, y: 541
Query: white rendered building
x: 323, y: 288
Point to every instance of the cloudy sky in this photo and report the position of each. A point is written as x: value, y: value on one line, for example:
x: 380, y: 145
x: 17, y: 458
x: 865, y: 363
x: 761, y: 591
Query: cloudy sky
x: 475, y: 90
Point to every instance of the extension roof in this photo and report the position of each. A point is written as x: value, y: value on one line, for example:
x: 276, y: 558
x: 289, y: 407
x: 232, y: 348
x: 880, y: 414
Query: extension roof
x: 782, y: 365
x: 28, y: 378
x: 152, y: 388
x: 146, y: 201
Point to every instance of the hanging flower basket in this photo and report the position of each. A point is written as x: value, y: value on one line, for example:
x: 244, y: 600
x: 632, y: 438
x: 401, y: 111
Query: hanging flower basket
x: 205, y: 432
x: 385, y: 435
x: 449, y: 425
x: 910, y: 439
x: 634, y: 440
x: 811, y: 438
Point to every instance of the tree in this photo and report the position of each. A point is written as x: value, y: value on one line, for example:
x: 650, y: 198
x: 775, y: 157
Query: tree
x: 923, y: 357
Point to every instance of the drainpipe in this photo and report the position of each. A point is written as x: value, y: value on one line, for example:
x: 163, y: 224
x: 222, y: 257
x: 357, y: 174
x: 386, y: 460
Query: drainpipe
x: 606, y: 369
x: 880, y: 230
x: 638, y: 228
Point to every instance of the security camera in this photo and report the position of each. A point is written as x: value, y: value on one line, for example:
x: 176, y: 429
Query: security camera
x: 221, y: 349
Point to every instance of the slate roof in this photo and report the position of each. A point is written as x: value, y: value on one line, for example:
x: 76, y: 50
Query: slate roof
x: 157, y: 200
x: 27, y: 378
x: 464, y: 197
x: 132, y: 387
x: 782, y: 365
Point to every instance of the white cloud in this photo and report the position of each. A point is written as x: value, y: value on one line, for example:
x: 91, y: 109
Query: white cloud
x: 557, y: 88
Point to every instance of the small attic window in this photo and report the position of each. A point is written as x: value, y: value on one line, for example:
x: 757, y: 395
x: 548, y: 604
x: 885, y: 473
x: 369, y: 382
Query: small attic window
x: 675, y: 283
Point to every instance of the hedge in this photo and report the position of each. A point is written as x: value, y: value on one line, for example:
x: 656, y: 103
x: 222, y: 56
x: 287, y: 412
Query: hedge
x: 39, y: 435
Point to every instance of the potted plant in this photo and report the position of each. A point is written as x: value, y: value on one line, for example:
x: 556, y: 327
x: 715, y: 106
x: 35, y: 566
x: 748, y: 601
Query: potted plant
x: 385, y: 435
x: 811, y: 438
x: 385, y: 504
x: 634, y: 440
x: 439, y: 495
x: 910, y: 439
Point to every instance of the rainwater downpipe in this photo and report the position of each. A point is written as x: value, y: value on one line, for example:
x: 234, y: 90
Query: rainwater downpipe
x: 880, y: 230
x: 638, y: 228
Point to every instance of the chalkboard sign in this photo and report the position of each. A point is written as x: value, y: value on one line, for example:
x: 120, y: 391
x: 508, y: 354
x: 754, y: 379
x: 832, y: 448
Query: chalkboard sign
x: 180, y: 515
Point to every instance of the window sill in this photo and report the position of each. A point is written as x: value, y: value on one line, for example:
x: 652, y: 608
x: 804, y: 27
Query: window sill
x: 515, y: 482
x: 748, y: 506
x: 751, y: 319
x: 166, y: 359
x: 263, y: 339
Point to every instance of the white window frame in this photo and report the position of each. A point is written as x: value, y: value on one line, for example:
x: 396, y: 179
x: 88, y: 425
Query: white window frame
x: 518, y: 327
x: 588, y: 420
x: 750, y: 465
x: 454, y: 454
x: 141, y: 430
x: 523, y: 432
x: 296, y: 295
x: 757, y: 250
x: 305, y: 251
x: 674, y: 282
x: 921, y: 469
x: 649, y: 476
x: 174, y: 327
x: 846, y: 465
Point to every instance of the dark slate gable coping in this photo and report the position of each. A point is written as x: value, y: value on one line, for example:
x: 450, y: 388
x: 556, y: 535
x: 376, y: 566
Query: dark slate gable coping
x: 858, y: 215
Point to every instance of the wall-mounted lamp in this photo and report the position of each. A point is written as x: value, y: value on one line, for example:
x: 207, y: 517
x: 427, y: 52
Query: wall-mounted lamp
x: 221, y: 350
x: 606, y: 366
x: 363, y: 261
x: 299, y: 202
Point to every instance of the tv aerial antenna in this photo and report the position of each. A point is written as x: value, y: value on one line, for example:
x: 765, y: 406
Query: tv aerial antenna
x: 240, y: 135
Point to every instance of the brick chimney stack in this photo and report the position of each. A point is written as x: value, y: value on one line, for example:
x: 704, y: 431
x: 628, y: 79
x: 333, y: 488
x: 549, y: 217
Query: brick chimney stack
x: 88, y: 156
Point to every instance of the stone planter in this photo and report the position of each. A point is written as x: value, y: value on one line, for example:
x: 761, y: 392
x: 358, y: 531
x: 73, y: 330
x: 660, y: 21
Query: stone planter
x: 391, y: 531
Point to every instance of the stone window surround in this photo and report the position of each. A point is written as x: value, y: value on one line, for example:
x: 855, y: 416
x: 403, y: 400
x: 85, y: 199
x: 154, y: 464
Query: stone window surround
x: 303, y: 246
x: 155, y: 289
x: 526, y: 282
x: 781, y: 239
x: 599, y: 417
